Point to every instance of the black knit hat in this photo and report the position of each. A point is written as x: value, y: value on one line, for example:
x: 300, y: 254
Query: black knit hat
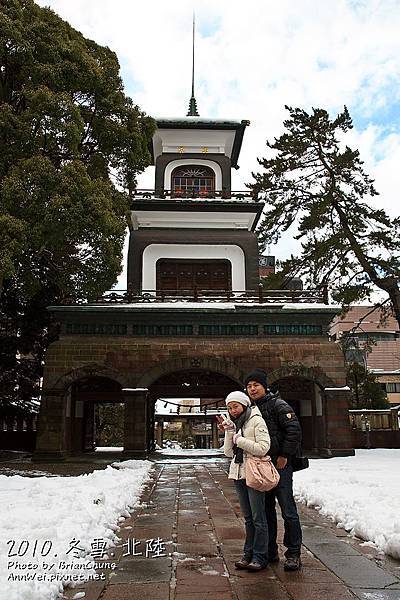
x: 257, y: 375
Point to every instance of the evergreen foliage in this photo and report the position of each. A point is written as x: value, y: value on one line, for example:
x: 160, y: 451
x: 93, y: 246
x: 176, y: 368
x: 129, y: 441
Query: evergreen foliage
x: 72, y: 145
x: 366, y: 391
x: 109, y: 419
x: 313, y: 181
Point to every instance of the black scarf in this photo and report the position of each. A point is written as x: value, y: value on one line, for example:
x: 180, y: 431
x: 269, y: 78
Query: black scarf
x: 239, y: 422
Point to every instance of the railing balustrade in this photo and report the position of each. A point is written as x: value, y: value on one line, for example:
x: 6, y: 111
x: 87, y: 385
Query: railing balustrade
x: 255, y: 296
x: 194, y: 194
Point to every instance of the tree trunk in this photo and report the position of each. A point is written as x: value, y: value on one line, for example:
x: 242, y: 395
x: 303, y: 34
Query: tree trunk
x: 394, y: 294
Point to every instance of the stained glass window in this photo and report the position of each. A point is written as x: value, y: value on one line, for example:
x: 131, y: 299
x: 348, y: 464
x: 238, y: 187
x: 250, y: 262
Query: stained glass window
x: 192, y: 181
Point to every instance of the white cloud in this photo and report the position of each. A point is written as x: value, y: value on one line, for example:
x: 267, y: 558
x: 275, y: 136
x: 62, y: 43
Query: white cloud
x: 252, y: 58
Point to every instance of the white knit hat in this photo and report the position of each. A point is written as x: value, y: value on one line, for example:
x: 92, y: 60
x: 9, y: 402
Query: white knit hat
x: 238, y: 397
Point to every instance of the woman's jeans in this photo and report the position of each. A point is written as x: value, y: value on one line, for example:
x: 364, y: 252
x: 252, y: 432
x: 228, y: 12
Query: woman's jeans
x: 252, y: 504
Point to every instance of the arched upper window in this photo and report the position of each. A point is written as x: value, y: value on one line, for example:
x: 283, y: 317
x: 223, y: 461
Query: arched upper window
x: 191, y: 181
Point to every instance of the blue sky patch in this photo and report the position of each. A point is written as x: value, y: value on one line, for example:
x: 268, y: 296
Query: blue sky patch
x: 208, y: 26
x: 131, y: 84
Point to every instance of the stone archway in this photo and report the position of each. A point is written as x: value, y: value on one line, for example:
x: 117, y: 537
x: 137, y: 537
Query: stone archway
x: 291, y: 369
x: 54, y: 440
x: 304, y: 389
x: 90, y: 370
x: 305, y: 397
x: 188, y: 379
x: 224, y: 367
x: 87, y: 399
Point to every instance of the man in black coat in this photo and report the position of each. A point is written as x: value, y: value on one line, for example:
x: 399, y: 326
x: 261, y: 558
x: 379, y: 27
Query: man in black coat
x: 285, y: 433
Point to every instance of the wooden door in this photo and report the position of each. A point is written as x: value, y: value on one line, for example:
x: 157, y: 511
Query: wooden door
x: 183, y: 276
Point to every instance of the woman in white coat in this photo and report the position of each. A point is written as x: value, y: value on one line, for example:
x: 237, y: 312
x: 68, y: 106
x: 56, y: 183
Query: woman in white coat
x: 246, y: 434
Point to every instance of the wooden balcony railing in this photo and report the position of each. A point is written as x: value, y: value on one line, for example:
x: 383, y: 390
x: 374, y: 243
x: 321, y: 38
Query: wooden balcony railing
x: 257, y: 296
x: 194, y: 194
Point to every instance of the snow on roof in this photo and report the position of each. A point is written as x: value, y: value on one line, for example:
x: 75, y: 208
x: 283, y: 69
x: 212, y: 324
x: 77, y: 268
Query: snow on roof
x: 307, y: 306
x: 344, y: 387
x: 191, y: 305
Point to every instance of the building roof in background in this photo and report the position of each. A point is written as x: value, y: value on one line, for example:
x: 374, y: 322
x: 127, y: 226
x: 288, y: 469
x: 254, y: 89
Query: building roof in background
x: 385, y: 354
x: 369, y: 324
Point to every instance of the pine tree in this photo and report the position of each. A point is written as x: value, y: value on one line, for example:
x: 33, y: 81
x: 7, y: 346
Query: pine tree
x: 366, y: 391
x: 314, y: 182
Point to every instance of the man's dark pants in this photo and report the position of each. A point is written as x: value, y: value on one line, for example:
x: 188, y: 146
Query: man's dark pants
x: 284, y: 494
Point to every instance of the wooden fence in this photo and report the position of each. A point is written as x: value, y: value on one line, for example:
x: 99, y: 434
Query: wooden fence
x: 18, y: 433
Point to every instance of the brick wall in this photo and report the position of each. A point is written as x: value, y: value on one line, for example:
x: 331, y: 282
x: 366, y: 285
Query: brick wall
x: 133, y: 358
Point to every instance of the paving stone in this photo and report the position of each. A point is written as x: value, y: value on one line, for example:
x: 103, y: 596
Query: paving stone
x: 202, y: 503
x: 230, y: 533
x: 186, y: 568
x: 142, y: 570
x: 197, y: 549
x: 358, y: 571
x: 183, y: 595
x: 146, y: 591
x: 148, y: 533
x: 92, y: 591
x: 305, y: 575
x: 208, y: 574
x: 152, y: 521
x: 195, y: 537
x: 212, y: 584
x: 318, y: 591
x: 271, y: 590
x: 195, y: 514
x: 325, y: 550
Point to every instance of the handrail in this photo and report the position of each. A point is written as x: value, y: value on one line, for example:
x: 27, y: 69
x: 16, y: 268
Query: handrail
x: 157, y: 194
x: 257, y: 296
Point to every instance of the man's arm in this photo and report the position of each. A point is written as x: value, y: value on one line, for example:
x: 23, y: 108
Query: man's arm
x: 291, y: 429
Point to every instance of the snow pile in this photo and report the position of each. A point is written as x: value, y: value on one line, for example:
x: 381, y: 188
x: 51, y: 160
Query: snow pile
x: 360, y: 493
x: 48, y: 522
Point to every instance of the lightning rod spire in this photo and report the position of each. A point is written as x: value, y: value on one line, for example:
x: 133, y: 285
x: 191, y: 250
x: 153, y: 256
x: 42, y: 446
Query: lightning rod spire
x: 192, y: 112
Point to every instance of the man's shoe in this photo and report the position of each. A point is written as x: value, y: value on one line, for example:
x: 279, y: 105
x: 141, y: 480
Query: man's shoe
x: 243, y: 563
x: 274, y: 559
x: 292, y: 563
x: 255, y: 566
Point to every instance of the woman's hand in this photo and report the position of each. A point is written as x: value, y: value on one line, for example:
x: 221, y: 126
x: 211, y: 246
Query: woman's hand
x: 236, y: 436
x: 224, y: 424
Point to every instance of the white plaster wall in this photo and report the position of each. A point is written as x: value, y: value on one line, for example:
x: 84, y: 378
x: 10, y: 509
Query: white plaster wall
x: 154, y: 252
x: 218, y: 141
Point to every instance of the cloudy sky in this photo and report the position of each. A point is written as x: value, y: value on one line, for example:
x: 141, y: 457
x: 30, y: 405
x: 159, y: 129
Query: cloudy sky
x: 255, y: 56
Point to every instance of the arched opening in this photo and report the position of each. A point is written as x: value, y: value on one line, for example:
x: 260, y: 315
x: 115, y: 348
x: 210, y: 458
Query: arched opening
x: 192, y: 181
x: 95, y: 415
x: 183, y: 408
x: 306, y: 398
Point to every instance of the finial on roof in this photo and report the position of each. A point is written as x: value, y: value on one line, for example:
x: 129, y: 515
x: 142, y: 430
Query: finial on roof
x: 192, y: 112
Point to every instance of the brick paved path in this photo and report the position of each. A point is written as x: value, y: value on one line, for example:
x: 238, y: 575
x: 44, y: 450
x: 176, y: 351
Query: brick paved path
x: 193, y: 508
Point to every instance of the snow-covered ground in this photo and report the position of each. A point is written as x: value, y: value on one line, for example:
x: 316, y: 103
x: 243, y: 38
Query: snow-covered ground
x: 48, y: 521
x: 51, y: 520
x: 360, y: 493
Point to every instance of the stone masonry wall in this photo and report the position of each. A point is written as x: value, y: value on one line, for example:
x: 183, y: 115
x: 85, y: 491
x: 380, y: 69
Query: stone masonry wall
x: 134, y: 358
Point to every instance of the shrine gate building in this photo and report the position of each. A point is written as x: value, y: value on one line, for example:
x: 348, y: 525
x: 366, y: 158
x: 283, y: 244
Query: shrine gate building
x: 194, y: 319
